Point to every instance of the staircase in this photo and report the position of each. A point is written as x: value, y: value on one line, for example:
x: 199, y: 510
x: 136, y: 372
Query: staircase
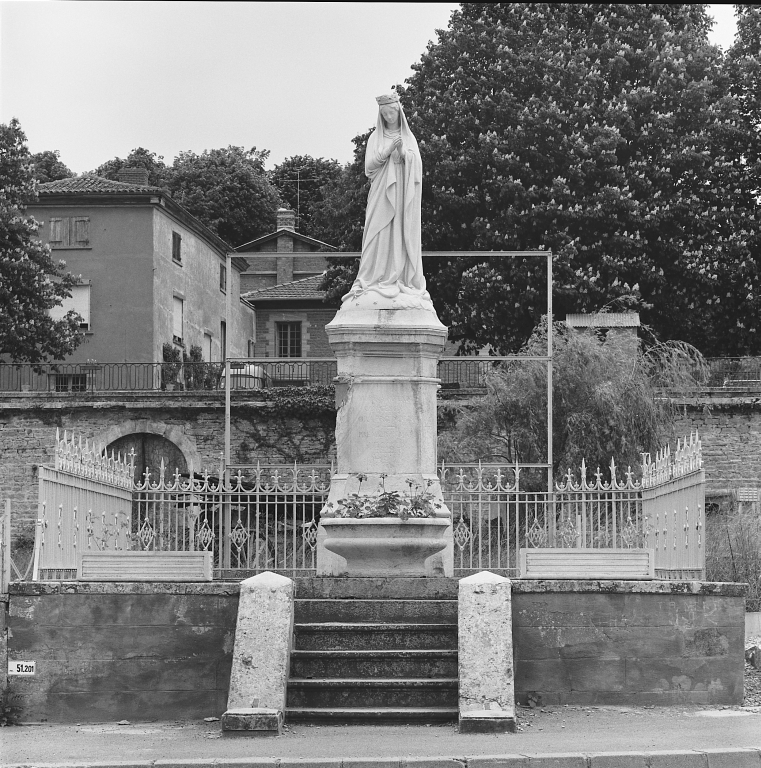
x: 374, y: 651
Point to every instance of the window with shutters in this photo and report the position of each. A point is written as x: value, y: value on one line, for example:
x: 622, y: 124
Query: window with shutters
x: 178, y: 307
x: 70, y: 232
x: 289, y: 339
x: 177, y: 247
x: 79, y: 302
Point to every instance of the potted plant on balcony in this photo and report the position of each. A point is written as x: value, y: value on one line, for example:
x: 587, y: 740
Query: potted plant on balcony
x: 171, y: 366
x: 388, y: 533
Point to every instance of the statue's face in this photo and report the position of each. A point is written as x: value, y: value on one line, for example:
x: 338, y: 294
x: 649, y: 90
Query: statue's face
x: 390, y: 114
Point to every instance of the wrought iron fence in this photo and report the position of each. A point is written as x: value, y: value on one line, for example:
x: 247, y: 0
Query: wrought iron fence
x: 64, y: 378
x: 5, y: 546
x: 266, y: 517
x: 245, y: 374
x: 494, y: 518
x: 263, y: 518
x: 732, y: 373
x: 84, y: 503
x: 261, y: 373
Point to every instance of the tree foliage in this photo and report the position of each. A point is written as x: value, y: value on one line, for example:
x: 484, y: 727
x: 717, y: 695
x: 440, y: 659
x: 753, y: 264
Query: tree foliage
x: 31, y: 283
x: 605, y: 403
x: 607, y: 133
x: 744, y: 62
x: 340, y: 216
x: 228, y: 190
x: 300, y: 180
x: 138, y: 158
x: 47, y: 166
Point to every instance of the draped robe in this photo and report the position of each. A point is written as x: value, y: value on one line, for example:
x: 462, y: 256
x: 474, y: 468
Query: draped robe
x: 391, y: 260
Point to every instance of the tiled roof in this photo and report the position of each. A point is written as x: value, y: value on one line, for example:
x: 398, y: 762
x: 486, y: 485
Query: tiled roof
x: 92, y: 184
x: 252, y: 245
x: 307, y: 288
x: 604, y: 320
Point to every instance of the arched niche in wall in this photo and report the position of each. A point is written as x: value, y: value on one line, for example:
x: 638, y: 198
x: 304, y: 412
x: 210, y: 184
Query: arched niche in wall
x: 152, y: 441
x: 149, y: 450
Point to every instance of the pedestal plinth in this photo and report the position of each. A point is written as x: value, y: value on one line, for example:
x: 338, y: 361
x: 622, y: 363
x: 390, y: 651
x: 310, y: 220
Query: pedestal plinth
x: 386, y: 420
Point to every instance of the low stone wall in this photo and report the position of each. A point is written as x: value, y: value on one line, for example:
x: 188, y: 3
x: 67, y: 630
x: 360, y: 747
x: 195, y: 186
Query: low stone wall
x: 164, y: 651
x: 134, y: 651
x: 614, y: 642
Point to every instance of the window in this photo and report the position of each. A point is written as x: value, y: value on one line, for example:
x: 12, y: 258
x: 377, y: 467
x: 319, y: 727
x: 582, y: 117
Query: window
x: 207, y: 346
x: 223, y: 278
x: 70, y: 382
x: 178, y: 309
x: 223, y: 338
x: 70, y: 232
x: 289, y: 339
x: 177, y: 247
x: 79, y: 302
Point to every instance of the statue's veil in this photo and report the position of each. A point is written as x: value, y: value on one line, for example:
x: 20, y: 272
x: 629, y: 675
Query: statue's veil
x: 376, y: 136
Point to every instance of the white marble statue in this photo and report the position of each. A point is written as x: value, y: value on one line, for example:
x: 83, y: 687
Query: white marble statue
x: 391, y: 266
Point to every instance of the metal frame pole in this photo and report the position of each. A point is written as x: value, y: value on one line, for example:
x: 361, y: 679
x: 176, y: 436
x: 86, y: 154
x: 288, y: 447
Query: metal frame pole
x: 549, y: 375
x: 226, y: 351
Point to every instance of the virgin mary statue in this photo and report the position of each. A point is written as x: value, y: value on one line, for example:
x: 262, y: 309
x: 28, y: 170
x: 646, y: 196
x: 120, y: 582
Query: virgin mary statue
x: 391, y: 265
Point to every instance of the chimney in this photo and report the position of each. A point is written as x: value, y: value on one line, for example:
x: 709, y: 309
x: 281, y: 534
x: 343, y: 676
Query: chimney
x: 134, y: 175
x: 286, y: 219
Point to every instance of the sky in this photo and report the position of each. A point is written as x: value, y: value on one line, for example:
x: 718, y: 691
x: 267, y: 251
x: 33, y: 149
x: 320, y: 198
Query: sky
x: 95, y: 80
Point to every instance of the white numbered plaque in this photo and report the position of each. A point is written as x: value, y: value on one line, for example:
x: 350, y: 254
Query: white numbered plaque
x: 21, y: 667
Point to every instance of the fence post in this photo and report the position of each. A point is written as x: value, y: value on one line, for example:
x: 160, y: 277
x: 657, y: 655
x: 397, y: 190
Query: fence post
x: 5, y: 548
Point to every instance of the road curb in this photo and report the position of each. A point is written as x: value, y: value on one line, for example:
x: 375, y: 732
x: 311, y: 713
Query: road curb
x: 749, y: 757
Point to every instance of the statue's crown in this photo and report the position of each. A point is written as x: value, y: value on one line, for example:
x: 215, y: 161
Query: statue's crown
x: 388, y: 98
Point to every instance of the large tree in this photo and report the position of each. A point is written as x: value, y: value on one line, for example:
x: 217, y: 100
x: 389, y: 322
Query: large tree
x: 31, y: 283
x: 607, y: 133
x: 138, y: 158
x: 607, y: 403
x: 228, y: 190
x: 300, y: 180
x: 47, y: 166
x: 340, y: 217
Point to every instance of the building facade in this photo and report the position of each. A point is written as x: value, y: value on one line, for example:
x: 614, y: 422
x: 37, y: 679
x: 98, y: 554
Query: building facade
x: 149, y: 272
x: 282, y: 283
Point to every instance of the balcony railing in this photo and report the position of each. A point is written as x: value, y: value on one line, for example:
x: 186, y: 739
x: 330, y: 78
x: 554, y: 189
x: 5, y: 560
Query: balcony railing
x: 723, y: 373
x: 248, y: 373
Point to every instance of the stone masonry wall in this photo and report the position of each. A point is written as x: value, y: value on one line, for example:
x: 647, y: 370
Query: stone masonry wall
x: 139, y: 651
x: 195, y: 423
x: 634, y: 643
x: 730, y: 430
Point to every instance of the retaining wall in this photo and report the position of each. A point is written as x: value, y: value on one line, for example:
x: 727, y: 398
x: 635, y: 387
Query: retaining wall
x: 163, y: 651
x: 193, y: 421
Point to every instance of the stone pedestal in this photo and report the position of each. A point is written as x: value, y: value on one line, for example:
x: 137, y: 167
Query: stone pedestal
x: 386, y: 421
x: 485, y: 654
x: 387, y: 546
x: 261, y: 655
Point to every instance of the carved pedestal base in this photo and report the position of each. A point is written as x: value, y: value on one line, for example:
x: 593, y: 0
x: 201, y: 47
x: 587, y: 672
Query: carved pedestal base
x: 386, y: 421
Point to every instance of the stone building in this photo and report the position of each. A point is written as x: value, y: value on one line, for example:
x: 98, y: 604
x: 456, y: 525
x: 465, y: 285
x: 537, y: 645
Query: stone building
x: 618, y: 328
x: 282, y: 256
x: 149, y: 272
x: 282, y: 283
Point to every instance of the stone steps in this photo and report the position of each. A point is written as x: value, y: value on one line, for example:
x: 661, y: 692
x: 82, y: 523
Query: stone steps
x: 375, y: 636
x: 375, y: 610
x: 374, y: 664
x: 338, y: 715
x: 371, y: 693
x: 374, y: 651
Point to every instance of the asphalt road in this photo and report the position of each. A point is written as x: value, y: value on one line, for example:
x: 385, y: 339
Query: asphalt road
x: 548, y: 730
